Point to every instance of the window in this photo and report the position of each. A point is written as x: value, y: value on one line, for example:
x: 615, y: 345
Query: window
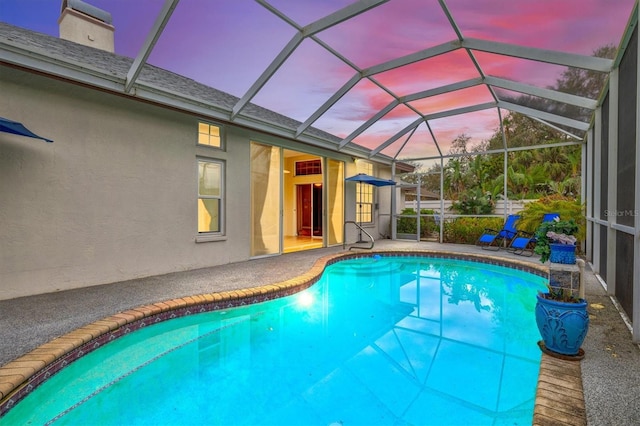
x: 210, y: 196
x: 310, y: 167
x: 209, y: 135
x: 364, y: 194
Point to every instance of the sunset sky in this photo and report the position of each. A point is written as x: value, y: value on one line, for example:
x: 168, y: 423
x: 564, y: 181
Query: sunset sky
x: 227, y: 44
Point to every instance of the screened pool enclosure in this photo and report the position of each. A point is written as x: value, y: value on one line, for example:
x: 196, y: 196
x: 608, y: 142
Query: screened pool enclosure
x: 398, y: 82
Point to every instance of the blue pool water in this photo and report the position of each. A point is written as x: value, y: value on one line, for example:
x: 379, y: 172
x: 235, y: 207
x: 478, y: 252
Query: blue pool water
x: 385, y: 341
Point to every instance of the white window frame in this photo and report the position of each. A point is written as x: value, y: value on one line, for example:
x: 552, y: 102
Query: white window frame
x: 366, y: 189
x: 211, y: 235
x: 221, y: 133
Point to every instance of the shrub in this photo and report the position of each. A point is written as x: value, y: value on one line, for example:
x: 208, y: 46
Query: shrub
x: 473, y: 201
x: 408, y: 225
x: 467, y: 230
x: 567, y: 208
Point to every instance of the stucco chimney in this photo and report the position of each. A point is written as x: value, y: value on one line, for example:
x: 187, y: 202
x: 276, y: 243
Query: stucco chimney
x: 85, y: 24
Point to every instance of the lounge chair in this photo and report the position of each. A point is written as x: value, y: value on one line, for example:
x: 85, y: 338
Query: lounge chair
x: 494, y: 240
x: 524, y: 243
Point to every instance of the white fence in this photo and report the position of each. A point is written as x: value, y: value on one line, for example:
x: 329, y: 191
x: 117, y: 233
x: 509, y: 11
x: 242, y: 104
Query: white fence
x: 512, y: 206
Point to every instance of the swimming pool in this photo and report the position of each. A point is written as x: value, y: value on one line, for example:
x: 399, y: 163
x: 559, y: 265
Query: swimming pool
x: 407, y: 340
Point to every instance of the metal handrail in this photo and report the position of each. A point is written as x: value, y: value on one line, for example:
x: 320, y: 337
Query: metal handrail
x: 344, y: 236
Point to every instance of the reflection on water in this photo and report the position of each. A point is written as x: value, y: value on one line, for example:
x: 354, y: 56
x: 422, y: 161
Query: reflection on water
x: 375, y: 341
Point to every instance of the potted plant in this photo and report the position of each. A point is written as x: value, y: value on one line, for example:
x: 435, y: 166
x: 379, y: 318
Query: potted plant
x: 556, y: 241
x: 563, y: 322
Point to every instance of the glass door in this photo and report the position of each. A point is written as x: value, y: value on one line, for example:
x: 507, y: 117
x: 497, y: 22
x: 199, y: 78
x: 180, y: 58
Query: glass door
x: 294, y: 207
x: 265, y: 199
x: 304, y: 210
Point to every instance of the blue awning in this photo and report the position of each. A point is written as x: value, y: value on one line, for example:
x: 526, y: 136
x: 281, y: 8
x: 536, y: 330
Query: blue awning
x: 18, y: 129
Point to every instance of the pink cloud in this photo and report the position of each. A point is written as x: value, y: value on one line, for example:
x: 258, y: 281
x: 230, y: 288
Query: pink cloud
x: 429, y: 73
x: 452, y: 100
x: 227, y: 44
x: 577, y: 26
x: 390, y: 30
x: 420, y: 145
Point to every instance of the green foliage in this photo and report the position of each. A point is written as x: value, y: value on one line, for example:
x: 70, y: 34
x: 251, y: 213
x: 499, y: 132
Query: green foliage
x: 572, y: 221
x: 584, y: 83
x: 566, y: 227
x: 467, y: 230
x: 560, y: 295
x: 566, y: 207
x: 473, y: 201
x: 409, y: 225
x: 530, y: 173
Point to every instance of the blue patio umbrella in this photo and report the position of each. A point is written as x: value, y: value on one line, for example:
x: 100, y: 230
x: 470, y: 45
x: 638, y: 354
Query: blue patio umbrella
x: 16, y: 128
x: 371, y: 180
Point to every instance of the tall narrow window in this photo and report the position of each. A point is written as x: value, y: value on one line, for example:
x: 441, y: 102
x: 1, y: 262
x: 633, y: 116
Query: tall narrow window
x: 210, y: 196
x: 209, y: 135
x: 364, y: 195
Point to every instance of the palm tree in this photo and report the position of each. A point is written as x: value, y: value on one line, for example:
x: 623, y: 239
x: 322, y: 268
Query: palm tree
x: 454, y: 178
x: 555, y: 162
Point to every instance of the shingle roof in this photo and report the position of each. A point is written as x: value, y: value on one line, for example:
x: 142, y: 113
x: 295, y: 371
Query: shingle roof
x: 92, y: 61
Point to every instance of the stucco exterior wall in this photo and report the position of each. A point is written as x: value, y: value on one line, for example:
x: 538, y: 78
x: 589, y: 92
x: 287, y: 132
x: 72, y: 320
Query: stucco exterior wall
x: 83, y: 29
x: 383, y: 216
x: 114, y: 197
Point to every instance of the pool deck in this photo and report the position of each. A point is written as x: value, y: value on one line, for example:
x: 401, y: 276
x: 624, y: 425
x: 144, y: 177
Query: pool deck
x: 602, y: 389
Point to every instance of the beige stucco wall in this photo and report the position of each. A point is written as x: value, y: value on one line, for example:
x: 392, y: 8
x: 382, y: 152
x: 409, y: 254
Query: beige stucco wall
x: 83, y: 29
x: 383, y: 217
x: 114, y: 197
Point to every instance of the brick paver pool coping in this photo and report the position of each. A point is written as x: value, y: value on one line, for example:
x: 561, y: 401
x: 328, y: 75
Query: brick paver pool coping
x: 559, y: 396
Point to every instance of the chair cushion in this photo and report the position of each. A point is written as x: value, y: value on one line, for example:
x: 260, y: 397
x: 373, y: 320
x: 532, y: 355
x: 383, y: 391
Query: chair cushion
x: 487, y: 238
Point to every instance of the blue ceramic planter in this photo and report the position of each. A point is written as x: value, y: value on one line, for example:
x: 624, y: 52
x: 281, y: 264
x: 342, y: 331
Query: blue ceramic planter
x: 563, y: 325
x: 562, y: 253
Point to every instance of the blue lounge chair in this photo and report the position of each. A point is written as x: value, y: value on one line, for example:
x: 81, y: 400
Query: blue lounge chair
x: 524, y: 243
x: 494, y: 240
